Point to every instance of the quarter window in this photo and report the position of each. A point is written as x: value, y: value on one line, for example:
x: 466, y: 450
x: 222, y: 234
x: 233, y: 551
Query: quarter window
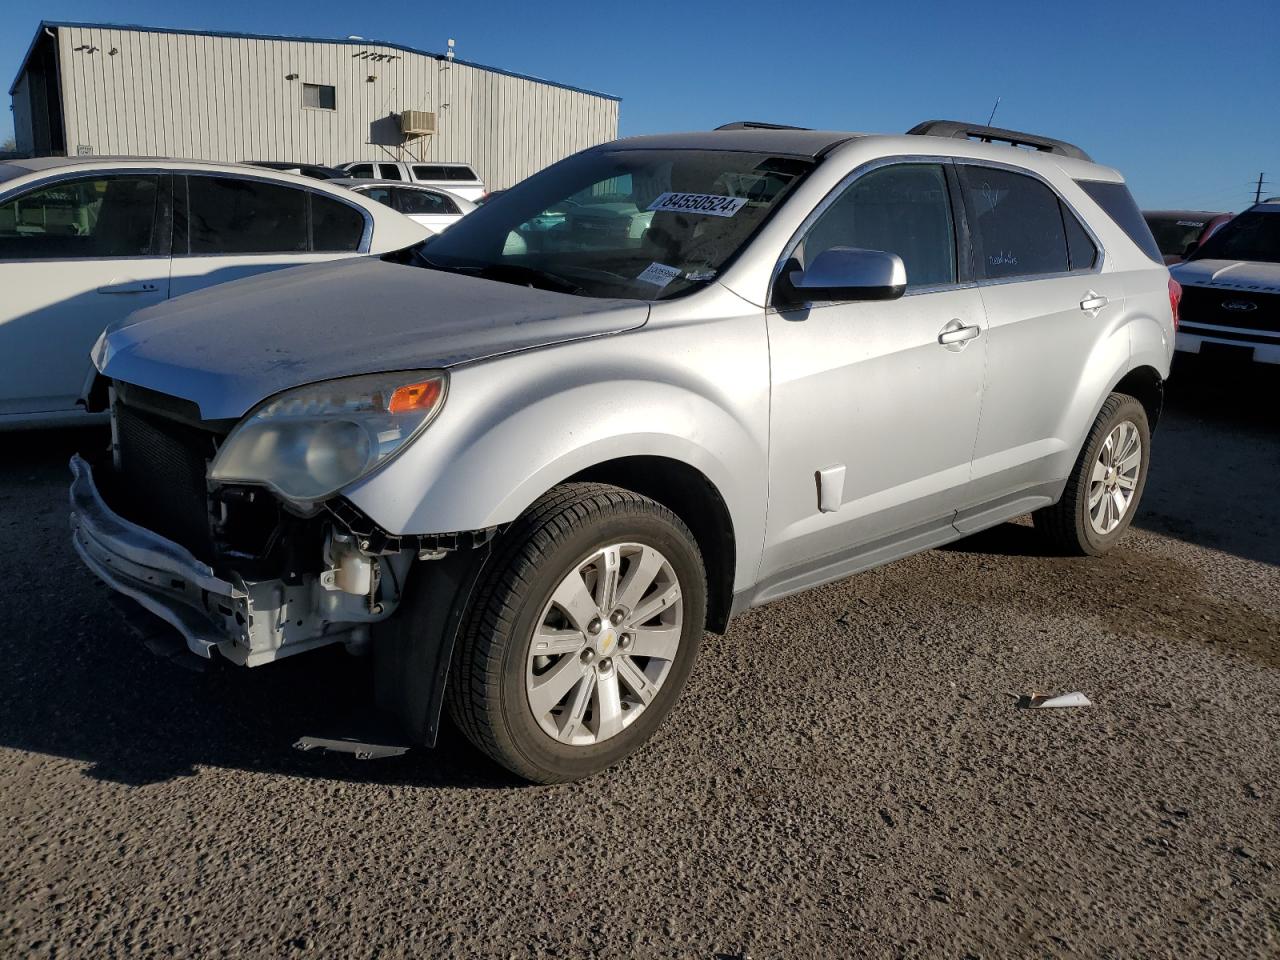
x: 389, y: 171
x: 230, y: 216
x: 336, y: 227
x: 319, y: 96
x: 93, y: 217
x: 1017, y: 222
x: 1080, y: 247
x: 903, y: 209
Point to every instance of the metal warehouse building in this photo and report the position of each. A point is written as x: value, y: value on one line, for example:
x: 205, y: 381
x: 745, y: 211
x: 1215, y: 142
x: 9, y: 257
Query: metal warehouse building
x: 139, y: 91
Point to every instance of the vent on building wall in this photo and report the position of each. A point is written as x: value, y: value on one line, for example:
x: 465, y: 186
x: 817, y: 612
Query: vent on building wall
x: 417, y: 123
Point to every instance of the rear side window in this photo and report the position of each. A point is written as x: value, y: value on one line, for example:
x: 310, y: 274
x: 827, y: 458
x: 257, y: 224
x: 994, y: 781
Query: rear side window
x: 230, y: 216
x: 903, y: 209
x: 1119, y: 205
x: 423, y: 202
x: 93, y: 217
x: 1016, y: 222
x: 389, y: 171
x: 336, y: 227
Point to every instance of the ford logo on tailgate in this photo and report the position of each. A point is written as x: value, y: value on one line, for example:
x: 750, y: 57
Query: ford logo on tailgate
x: 1238, y: 306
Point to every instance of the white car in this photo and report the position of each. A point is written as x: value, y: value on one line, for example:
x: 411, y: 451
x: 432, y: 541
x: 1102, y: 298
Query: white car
x: 458, y: 178
x: 432, y: 207
x: 85, y: 241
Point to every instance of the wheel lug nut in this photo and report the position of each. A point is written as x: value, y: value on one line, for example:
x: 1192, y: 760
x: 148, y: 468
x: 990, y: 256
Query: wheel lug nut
x: 594, y: 626
x: 616, y: 618
x: 625, y: 642
x: 605, y: 664
x: 588, y: 655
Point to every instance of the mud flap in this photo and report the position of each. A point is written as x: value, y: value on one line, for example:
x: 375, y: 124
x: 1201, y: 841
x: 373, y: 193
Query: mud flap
x: 413, y: 648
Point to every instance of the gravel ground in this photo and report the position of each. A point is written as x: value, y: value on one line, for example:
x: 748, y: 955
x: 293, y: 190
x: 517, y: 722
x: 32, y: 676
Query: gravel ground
x: 847, y: 774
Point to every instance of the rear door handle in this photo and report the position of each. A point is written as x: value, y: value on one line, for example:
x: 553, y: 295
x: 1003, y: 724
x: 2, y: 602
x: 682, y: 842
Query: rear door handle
x: 1092, y: 303
x: 129, y: 286
x: 955, y: 334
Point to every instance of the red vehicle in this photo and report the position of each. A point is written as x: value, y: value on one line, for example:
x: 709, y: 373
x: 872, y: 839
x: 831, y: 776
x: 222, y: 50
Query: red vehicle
x: 1179, y: 232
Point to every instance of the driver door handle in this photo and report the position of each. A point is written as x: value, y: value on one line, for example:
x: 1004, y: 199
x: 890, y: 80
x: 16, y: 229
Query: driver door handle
x: 956, y: 333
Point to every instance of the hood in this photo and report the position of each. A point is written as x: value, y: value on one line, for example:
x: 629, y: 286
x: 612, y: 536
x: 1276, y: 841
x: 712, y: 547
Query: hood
x: 229, y: 347
x: 1254, y: 276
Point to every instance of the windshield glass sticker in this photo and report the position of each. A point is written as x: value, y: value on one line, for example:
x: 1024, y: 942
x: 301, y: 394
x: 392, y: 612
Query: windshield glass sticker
x: 707, y: 203
x: 659, y: 274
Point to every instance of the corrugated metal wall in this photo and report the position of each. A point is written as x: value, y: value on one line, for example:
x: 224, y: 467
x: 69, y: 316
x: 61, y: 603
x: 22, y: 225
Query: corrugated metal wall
x: 227, y: 98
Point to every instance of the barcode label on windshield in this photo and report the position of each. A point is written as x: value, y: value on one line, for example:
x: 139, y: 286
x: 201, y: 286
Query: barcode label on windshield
x: 706, y: 203
x: 659, y: 274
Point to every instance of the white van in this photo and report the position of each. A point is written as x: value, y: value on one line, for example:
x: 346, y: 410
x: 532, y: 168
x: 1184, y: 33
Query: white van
x: 457, y: 178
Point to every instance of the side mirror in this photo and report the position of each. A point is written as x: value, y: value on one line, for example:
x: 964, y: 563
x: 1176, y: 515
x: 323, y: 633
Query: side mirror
x: 844, y: 273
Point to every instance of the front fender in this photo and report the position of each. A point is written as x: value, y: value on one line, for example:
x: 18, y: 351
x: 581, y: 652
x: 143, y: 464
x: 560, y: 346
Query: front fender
x: 514, y: 427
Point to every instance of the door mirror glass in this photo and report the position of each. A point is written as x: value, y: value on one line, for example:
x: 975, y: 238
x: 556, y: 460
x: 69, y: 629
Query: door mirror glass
x: 845, y: 273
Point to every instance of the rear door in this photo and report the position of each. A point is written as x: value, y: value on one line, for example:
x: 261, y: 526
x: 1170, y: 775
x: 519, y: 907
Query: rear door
x: 75, y: 256
x: 1048, y: 307
x: 227, y: 228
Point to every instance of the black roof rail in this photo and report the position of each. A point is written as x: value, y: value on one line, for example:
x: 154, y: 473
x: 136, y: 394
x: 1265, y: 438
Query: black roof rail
x: 958, y: 130
x: 758, y: 125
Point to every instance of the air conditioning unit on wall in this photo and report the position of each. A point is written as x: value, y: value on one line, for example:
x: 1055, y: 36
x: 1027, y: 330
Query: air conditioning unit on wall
x: 417, y: 123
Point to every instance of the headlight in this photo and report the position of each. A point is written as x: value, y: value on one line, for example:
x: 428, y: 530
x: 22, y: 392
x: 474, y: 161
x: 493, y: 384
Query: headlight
x: 307, y: 444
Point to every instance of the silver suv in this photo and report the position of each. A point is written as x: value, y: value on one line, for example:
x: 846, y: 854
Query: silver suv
x: 526, y: 463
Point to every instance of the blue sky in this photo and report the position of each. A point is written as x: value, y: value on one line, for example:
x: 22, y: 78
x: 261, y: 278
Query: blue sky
x: 1181, y: 96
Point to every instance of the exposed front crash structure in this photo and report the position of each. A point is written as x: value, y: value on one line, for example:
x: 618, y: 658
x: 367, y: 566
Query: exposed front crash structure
x: 249, y: 621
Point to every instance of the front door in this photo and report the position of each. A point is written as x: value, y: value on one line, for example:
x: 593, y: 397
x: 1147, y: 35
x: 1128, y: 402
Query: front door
x: 76, y: 255
x: 874, y: 405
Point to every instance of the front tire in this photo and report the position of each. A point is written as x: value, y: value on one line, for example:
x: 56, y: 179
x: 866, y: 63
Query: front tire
x: 581, y: 634
x: 1106, y: 483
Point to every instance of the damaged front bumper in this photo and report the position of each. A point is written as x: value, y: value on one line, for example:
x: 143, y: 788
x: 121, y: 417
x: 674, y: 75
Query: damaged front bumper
x: 248, y: 622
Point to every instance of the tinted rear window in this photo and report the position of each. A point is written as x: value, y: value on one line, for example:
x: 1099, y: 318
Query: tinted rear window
x: 435, y: 172
x: 1117, y: 201
x: 229, y: 216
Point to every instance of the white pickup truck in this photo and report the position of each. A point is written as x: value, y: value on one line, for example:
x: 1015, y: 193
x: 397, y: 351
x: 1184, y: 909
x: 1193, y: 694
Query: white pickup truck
x: 457, y: 178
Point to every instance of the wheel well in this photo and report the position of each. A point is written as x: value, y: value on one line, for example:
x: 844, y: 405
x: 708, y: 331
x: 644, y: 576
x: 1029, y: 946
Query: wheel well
x: 695, y: 500
x: 1144, y: 385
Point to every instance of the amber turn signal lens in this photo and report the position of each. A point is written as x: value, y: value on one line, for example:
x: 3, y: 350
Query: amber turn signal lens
x: 415, y: 397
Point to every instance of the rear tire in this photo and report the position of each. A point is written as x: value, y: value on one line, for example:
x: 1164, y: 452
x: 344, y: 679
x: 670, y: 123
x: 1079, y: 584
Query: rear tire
x: 581, y: 633
x: 1106, y: 483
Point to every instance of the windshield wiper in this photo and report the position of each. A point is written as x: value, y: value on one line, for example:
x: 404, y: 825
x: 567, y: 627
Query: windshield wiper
x: 530, y: 276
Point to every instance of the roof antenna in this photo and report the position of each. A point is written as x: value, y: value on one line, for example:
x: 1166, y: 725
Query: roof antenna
x: 993, y: 112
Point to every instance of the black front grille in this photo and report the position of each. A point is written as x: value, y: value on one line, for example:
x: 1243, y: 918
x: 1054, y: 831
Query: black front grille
x: 1224, y: 307
x: 160, y: 484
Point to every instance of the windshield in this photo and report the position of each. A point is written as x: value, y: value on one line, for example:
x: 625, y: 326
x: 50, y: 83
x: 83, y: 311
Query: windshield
x: 1252, y: 235
x: 1174, y: 234
x: 639, y: 224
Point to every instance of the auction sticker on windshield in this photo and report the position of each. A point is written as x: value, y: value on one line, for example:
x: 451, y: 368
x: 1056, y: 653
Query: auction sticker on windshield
x: 710, y: 204
x: 659, y: 274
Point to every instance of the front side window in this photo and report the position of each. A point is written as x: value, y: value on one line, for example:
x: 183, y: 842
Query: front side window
x: 231, y: 216
x: 424, y: 202
x: 1016, y: 221
x: 389, y: 171
x: 111, y: 216
x: 903, y: 209
x: 1253, y: 235
x: 638, y: 224
x: 361, y: 171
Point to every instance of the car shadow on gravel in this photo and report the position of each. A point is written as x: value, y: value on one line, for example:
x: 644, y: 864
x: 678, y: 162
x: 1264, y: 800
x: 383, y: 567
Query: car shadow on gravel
x: 137, y: 719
